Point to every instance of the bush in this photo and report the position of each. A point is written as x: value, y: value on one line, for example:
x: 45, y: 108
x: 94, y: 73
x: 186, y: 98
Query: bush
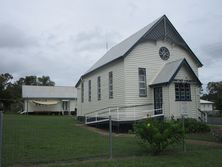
x: 193, y: 126
x: 158, y: 134
x: 217, y: 132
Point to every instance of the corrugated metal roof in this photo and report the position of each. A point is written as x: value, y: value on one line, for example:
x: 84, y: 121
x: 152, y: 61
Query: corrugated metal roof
x: 121, y: 48
x: 159, y: 29
x: 167, y: 72
x: 66, y: 92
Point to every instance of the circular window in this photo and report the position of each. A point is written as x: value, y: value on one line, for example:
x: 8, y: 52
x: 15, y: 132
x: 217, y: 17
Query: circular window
x: 164, y: 53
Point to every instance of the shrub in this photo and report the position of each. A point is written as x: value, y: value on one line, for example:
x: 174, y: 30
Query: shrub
x: 193, y: 126
x: 217, y: 132
x: 158, y: 134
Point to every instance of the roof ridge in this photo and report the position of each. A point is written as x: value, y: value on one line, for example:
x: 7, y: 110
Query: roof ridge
x: 138, y: 34
x: 120, y: 50
x: 175, y: 61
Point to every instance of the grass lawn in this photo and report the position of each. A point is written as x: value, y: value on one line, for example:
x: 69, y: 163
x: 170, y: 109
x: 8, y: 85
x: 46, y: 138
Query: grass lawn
x: 59, y: 140
x: 191, y: 159
x: 204, y: 136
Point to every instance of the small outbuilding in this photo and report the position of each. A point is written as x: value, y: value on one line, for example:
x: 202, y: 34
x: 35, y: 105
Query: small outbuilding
x: 206, y: 107
x: 49, y: 99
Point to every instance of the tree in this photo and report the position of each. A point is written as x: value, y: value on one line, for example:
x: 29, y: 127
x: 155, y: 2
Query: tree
x: 214, y: 94
x: 29, y: 80
x: 45, y: 81
x: 5, y: 80
x: 11, y: 92
x: 5, y: 83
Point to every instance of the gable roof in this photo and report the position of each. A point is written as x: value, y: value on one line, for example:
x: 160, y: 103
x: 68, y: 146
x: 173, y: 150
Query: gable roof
x: 160, y: 28
x: 63, y: 92
x: 122, y: 48
x: 169, y: 71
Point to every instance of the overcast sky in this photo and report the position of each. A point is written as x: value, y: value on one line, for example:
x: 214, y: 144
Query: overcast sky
x: 63, y: 38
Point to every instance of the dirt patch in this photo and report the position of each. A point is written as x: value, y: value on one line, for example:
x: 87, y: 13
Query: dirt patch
x: 106, y: 133
x: 205, y: 143
x: 103, y: 132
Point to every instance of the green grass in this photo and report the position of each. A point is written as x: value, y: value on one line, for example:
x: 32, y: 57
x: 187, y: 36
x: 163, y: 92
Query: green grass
x: 194, y: 159
x: 39, y: 139
x: 57, y: 139
x: 207, y: 136
x: 201, y: 136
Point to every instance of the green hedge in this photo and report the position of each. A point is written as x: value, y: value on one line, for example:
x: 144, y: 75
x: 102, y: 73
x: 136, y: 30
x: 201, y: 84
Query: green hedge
x: 194, y: 126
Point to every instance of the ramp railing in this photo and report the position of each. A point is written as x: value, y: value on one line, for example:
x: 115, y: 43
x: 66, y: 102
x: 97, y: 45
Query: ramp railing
x: 123, y: 113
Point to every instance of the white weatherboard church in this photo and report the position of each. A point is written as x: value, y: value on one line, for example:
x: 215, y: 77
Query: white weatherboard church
x: 151, y: 72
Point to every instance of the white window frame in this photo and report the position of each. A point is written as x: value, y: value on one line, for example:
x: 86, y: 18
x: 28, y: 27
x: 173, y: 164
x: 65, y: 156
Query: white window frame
x: 99, y: 88
x: 110, y: 85
x: 142, y: 81
x: 82, y: 92
x: 89, y: 90
x: 182, y: 92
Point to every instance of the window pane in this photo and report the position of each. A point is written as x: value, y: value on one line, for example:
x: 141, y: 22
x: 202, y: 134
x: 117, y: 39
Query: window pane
x: 142, y: 81
x: 142, y: 91
x: 82, y: 92
x: 142, y: 71
x: 111, y: 85
x: 142, y: 85
x: 99, y: 88
x: 89, y: 87
x: 188, y: 93
x: 182, y: 92
x: 141, y: 78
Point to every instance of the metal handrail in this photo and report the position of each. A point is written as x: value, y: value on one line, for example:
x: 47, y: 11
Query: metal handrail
x: 120, y: 114
x: 127, y: 106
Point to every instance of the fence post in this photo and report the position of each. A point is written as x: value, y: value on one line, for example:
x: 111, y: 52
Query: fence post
x: 117, y: 110
x: 27, y: 106
x: 1, y: 134
x: 184, y: 146
x: 110, y: 138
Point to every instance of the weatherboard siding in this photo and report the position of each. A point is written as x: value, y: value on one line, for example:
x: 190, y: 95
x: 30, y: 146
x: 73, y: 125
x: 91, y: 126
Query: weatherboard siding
x: 176, y: 107
x: 191, y: 106
x: 166, y: 101
x: 126, y: 81
x: 146, y: 55
x: 118, y: 89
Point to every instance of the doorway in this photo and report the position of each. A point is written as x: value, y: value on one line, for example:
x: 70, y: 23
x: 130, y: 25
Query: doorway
x: 158, y: 100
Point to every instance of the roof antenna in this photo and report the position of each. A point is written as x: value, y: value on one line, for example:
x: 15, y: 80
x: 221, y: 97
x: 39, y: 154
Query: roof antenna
x: 107, y: 46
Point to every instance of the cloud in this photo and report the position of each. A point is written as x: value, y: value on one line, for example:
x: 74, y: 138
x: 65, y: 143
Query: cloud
x: 64, y: 39
x: 13, y: 37
x: 211, y: 53
x: 95, y: 39
x: 214, y: 50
